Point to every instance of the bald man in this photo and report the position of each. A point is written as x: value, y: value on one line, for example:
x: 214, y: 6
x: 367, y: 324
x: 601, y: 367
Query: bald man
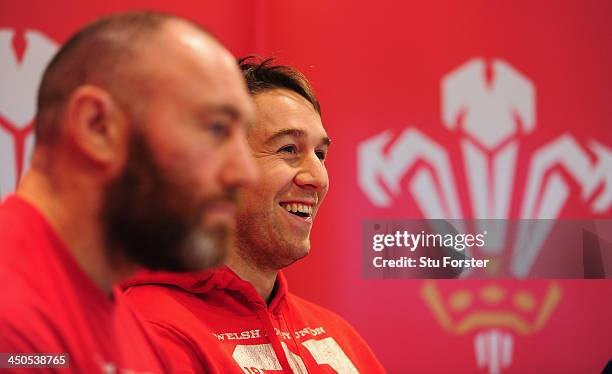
x: 140, y: 128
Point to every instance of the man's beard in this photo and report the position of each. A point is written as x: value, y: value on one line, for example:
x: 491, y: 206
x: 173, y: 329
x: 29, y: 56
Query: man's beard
x: 154, y: 220
x: 260, y: 241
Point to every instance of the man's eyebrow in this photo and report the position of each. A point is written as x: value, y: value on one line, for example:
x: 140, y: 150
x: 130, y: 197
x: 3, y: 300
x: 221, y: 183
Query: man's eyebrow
x: 223, y: 110
x: 296, y: 133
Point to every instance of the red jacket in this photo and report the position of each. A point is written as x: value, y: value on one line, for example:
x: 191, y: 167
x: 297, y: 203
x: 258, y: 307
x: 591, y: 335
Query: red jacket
x: 217, y: 323
x: 50, y: 305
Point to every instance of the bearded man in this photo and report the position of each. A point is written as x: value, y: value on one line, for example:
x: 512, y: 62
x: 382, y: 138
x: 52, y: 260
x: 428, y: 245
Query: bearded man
x: 140, y: 147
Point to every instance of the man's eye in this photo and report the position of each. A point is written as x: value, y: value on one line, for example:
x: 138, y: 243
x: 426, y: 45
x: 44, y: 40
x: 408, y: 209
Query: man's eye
x: 288, y: 149
x: 219, y: 129
x: 321, y: 155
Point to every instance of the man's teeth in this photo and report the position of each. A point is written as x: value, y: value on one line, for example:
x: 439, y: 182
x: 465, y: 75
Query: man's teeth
x: 297, y: 208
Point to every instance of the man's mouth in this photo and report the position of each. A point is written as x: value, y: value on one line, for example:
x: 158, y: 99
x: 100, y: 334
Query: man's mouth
x: 299, y: 209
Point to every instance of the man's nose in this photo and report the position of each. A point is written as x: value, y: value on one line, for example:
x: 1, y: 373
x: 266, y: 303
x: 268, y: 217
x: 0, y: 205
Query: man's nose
x: 239, y: 169
x: 312, y: 174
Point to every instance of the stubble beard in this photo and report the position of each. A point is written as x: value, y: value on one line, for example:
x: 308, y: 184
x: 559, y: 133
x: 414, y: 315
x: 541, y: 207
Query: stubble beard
x: 261, y: 243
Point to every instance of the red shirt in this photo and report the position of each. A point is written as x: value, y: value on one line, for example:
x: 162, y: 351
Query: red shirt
x: 217, y: 323
x: 50, y: 305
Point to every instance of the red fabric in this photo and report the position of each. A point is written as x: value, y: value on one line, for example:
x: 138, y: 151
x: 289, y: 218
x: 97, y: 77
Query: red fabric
x: 50, y: 305
x: 218, y: 321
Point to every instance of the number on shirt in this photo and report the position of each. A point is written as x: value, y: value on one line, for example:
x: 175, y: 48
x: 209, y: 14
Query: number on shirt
x: 254, y: 359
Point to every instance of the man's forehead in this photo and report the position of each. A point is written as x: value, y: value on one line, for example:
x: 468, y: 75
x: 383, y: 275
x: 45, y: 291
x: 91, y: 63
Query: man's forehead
x: 180, y: 43
x: 236, y: 109
x: 268, y: 131
x: 205, y: 74
x: 284, y: 112
x: 188, y: 33
x: 284, y: 101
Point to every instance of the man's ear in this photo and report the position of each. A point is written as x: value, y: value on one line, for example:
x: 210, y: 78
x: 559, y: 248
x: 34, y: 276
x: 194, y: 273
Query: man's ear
x: 97, y: 125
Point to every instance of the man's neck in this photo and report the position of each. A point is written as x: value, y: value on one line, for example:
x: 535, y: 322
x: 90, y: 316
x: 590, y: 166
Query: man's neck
x: 74, y: 219
x: 262, y: 280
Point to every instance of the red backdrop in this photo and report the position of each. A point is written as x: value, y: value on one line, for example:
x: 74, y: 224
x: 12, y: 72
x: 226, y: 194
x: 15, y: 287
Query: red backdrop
x: 383, y: 65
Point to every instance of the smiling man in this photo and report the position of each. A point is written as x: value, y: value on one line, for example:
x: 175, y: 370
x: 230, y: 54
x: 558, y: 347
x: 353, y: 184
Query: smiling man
x: 242, y: 318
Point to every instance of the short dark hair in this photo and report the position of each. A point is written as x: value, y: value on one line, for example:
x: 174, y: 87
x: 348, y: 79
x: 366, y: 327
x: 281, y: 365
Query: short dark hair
x: 101, y: 53
x: 264, y: 75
